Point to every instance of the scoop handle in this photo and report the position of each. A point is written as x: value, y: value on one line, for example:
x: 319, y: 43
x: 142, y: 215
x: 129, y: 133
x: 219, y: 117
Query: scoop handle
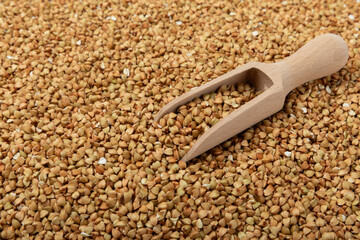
x: 320, y: 57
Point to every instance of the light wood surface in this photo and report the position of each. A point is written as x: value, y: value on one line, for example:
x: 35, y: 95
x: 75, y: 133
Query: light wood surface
x: 320, y: 57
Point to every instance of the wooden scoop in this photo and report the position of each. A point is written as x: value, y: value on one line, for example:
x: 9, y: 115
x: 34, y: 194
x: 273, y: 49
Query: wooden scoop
x: 320, y: 57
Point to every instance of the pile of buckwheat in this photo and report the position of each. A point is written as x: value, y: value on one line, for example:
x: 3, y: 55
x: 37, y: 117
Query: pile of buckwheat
x: 82, y: 158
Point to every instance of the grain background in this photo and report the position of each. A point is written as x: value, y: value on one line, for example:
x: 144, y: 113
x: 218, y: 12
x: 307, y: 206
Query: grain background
x: 80, y: 155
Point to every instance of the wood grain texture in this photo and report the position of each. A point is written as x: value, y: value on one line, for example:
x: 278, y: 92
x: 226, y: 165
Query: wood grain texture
x: 320, y: 57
